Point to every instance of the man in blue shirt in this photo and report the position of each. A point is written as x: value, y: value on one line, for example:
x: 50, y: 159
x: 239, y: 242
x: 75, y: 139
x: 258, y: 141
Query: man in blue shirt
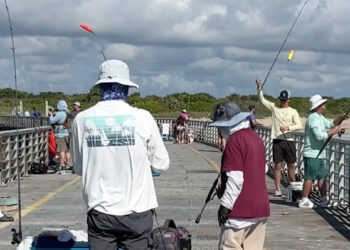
x: 317, y: 130
x: 36, y: 112
x: 252, y: 119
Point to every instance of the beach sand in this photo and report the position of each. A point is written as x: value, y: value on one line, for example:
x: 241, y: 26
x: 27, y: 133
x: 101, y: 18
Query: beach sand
x: 267, y: 122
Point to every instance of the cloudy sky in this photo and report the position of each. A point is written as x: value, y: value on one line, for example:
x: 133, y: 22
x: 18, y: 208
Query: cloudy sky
x: 179, y: 45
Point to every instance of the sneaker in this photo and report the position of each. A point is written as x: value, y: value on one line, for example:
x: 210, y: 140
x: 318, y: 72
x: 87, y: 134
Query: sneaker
x: 306, y: 203
x: 278, y: 193
x: 6, y: 218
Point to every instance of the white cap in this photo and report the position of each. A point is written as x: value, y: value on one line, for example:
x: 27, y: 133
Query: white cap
x: 184, y: 111
x: 76, y: 104
x: 316, y: 101
x: 115, y: 71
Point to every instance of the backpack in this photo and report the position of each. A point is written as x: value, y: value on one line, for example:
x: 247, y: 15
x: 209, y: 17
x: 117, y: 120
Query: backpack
x: 67, y: 121
x: 170, y: 237
x: 37, y: 168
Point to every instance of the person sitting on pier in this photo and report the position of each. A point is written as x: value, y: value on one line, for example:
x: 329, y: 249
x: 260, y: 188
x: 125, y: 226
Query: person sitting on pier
x: 244, y: 199
x: 284, y: 120
x: 317, y: 130
x: 115, y: 146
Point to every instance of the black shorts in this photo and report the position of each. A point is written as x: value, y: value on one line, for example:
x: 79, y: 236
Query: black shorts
x: 110, y: 232
x: 283, y: 150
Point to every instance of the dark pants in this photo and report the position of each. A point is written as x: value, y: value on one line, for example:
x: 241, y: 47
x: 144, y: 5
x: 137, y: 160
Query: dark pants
x: 110, y: 232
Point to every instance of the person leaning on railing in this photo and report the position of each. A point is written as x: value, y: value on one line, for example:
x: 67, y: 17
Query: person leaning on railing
x: 317, y: 130
x: 284, y: 120
x: 58, y: 120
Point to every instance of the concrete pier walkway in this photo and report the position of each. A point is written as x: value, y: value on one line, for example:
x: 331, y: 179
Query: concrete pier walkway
x: 56, y: 201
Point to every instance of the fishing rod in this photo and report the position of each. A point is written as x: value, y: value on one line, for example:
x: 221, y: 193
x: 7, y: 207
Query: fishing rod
x: 16, y: 236
x: 89, y: 29
x: 284, y: 42
x: 210, y: 197
x: 278, y: 53
x: 342, y: 131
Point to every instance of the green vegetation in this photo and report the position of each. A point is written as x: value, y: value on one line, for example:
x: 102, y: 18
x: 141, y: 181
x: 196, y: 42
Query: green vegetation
x: 199, y: 105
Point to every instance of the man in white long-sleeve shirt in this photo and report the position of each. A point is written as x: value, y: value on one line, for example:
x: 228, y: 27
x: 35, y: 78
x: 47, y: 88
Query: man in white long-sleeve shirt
x: 244, y: 200
x: 114, y: 148
x: 284, y: 121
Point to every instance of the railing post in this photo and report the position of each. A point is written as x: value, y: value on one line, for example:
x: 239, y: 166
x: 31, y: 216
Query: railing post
x: 342, y: 182
x: 331, y: 164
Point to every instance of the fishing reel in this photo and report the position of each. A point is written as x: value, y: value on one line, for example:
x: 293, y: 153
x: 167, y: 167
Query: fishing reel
x: 341, y: 132
x: 16, y: 237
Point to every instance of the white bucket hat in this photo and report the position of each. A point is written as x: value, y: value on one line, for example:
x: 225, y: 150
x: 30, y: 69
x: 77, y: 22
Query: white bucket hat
x: 115, y: 71
x: 316, y: 101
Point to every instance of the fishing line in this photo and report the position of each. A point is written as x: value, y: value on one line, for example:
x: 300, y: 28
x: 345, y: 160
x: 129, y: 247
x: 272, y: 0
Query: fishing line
x: 89, y: 29
x: 284, y: 42
x: 254, y: 71
x: 17, y: 237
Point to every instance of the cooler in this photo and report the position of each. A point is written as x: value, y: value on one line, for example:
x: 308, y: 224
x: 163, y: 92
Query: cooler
x: 51, y: 243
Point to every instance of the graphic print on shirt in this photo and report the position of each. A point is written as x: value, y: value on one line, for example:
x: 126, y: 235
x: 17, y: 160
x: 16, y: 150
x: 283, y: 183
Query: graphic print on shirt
x: 109, y: 131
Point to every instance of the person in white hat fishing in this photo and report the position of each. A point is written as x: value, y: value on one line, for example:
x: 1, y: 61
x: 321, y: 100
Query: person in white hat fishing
x: 317, y: 131
x: 115, y: 146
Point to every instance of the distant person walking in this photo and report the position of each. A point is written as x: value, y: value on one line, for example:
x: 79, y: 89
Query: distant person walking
x: 252, y: 118
x: 115, y: 147
x: 36, y: 112
x: 59, y: 121
x: 284, y: 121
x: 185, y: 115
x: 317, y: 130
x: 244, y: 199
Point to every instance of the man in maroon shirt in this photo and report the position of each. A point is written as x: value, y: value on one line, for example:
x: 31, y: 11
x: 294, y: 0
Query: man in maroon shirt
x: 244, y: 199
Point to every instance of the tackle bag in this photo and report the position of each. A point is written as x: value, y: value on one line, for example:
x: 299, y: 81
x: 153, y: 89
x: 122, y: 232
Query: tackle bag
x: 170, y: 237
x: 37, y: 168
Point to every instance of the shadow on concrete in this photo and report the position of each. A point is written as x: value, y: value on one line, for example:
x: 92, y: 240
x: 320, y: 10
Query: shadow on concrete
x: 284, y: 203
x: 338, y: 218
x: 211, y: 151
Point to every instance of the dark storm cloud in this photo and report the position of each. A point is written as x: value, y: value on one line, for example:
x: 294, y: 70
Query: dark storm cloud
x: 183, y: 45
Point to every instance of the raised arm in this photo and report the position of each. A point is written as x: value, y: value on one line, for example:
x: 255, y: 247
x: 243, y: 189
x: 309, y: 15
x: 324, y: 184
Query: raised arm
x: 269, y: 105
